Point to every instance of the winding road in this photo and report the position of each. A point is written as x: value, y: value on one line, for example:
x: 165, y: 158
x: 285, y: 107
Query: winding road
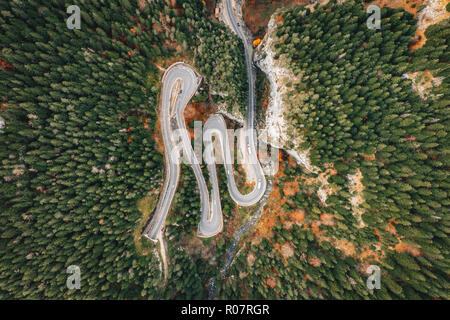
x: 179, y: 84
x: 182, y: 77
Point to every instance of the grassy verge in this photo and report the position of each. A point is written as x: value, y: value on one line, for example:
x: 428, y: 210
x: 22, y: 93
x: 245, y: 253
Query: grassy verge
x: 146, y: 205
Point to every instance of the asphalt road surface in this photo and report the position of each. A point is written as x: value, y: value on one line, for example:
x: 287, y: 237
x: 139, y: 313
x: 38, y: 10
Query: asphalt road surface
x: 179, y: 84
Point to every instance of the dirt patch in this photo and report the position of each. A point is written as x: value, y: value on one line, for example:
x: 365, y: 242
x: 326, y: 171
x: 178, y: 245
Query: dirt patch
x: 291, y: 162
x: 433, y: 13
x: 197, y: 111
x: 251, y: 259
x: 345, y: 246
x: 326, y: 189
x: 275, y: 211
x: 298, y: 216
x: 368, y: 254
x: 271, y: 282
x: 315, y: 262
x: 287, y: 250
x: 197, y: 250
x: 232, y: 224
x: 405, y: 247
x: 5, y: 65
x: 290, y: 188
x: 409, y: 5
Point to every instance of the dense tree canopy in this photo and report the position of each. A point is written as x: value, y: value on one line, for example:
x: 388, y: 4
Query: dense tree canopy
x: 77, y: 151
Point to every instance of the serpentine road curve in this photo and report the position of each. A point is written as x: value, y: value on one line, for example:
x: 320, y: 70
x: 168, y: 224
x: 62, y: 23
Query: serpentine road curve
x: 179, y: 84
